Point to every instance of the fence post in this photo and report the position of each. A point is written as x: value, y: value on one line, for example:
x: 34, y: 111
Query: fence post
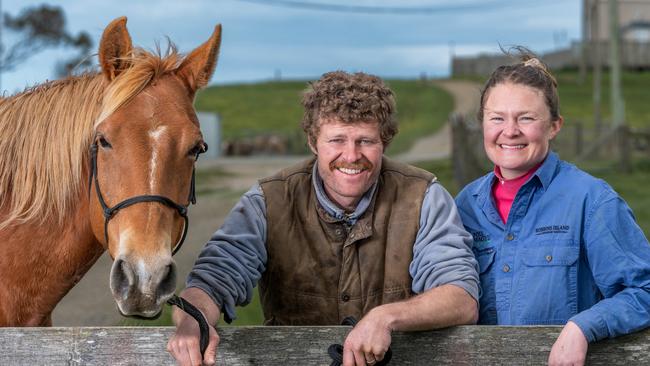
x: 579, y: 137
x: 466, y: 149
x: 624, y: 148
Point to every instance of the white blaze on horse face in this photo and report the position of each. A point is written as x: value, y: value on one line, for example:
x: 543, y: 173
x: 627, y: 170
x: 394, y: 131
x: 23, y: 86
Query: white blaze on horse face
x: 123, y: 239
x: 156, y: 136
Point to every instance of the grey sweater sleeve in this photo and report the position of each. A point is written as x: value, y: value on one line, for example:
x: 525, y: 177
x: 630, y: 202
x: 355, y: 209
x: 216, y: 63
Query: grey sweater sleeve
x: 442, y: 253
x: 234, y: 259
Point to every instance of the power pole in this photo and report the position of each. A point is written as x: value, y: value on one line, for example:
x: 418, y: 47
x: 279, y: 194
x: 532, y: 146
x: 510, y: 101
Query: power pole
x: 582, y: 66
x: 617, y: 103
x: 597, y: 68
x: 618, y: 106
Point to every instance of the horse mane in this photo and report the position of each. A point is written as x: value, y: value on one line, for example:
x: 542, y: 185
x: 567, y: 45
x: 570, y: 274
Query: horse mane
x: 46, y: 132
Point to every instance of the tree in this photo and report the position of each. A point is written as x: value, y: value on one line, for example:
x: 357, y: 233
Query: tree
x: 40, y: 27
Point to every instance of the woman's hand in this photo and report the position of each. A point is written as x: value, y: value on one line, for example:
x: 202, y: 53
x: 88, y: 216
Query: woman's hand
x: 570, y: 348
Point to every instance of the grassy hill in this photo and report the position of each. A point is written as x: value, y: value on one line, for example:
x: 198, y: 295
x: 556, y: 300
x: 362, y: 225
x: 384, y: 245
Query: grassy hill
x: 274, y: 107
x: 576, y: 101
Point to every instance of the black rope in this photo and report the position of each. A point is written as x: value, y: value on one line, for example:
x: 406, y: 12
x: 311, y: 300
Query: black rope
x: 195, y: 313
x: 335, y: 351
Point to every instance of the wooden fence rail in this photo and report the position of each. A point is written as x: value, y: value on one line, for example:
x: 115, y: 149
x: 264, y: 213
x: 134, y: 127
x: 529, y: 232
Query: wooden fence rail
x: 464, y: 345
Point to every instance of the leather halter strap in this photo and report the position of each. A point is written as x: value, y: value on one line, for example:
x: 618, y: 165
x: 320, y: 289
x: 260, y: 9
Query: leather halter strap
x: 109, y: 212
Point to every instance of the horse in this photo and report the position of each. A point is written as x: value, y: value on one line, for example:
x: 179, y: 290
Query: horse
x: 95, y: 162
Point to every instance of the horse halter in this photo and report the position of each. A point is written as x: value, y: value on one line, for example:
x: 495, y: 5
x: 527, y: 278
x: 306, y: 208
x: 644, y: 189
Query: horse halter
x: 109, y: 212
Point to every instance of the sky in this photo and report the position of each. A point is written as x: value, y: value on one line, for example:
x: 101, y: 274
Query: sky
x: 302, y: 39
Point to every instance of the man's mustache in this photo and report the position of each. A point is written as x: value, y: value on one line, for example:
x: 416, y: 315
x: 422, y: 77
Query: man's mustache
x: 361, y: 164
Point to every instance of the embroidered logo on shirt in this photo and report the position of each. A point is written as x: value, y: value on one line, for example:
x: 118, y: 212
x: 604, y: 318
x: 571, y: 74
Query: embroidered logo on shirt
x: 552, y: 229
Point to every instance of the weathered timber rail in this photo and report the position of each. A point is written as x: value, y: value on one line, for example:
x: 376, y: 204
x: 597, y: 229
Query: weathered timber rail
x: 465, y: 345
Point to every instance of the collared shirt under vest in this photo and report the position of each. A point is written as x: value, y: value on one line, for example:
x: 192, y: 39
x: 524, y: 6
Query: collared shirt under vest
x: 319, y: 269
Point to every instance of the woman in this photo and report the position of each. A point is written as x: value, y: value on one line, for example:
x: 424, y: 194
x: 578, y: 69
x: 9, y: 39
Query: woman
x: 554, y: 244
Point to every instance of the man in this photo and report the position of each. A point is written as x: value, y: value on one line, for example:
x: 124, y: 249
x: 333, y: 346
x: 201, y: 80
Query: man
x: 347, y: 233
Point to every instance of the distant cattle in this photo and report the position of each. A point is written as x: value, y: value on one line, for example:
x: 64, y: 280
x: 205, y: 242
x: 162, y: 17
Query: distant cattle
x: 257, y: 145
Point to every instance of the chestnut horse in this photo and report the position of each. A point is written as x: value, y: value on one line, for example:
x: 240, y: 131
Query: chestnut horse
x: 101, y: 161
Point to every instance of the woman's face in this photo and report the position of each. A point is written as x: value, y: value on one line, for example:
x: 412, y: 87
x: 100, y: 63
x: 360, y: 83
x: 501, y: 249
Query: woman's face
x: 517, y: 128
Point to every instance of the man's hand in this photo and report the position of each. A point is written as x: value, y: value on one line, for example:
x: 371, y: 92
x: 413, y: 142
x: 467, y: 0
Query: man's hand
x: 570, y: 348
x: 438, y: 307
x: 184, y: 344
x: 368, y: 341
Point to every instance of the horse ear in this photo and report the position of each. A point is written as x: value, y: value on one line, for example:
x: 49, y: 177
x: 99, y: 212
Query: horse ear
x: 114, y: 47
x: 197, y: 68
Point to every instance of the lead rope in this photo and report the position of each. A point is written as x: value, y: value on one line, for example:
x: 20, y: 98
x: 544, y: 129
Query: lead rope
x: 195, y: 313
x: 335, y: 351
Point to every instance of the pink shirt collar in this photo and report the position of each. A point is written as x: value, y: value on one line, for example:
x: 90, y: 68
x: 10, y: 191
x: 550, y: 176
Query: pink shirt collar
x: 504, y: 190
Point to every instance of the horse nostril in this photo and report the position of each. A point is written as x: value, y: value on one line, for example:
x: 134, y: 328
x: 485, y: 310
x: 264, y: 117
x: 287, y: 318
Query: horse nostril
x: 167, y: 284
x: 122, y: 278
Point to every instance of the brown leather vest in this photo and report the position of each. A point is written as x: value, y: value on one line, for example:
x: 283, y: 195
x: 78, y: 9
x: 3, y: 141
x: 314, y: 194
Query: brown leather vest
x: 319, y: 270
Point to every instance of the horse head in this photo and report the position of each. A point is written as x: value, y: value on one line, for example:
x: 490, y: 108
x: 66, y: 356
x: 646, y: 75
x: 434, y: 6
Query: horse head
x: 146, y: 141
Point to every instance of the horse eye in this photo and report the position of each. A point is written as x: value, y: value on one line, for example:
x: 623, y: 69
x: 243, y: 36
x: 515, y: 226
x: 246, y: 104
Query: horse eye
x: 104, y: 143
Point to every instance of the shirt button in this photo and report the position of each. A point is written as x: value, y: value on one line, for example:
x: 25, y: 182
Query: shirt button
x: 510, y: 237
x: 549, y: 258
x: 338, y: 232
x: 345, y: 297
x: 506, y: 268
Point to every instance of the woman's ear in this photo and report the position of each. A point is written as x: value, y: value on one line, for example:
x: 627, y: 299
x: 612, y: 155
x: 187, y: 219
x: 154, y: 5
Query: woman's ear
x: 556, y: 126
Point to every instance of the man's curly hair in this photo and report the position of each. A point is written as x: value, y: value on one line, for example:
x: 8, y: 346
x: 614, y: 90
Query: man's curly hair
x: 349, y: 98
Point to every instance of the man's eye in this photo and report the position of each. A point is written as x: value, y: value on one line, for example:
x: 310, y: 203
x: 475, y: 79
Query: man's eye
x: 496, y: 119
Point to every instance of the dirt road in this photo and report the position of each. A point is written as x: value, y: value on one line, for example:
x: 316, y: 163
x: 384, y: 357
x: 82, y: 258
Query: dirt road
x: 90, y: 302
x: 438, y: 146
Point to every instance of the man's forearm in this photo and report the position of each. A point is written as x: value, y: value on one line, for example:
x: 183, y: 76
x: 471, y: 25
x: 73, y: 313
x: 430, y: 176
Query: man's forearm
x: 438, y: 307
x: 202, y: 301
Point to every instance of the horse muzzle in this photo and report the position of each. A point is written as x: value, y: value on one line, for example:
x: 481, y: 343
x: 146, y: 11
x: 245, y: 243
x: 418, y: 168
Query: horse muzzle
x: 142, y: 289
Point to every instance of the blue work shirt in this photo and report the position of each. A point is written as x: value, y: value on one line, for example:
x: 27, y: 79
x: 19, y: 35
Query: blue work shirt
x: 570, y: 250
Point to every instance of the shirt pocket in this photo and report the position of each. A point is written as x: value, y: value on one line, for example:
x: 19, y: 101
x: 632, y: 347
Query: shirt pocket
x: 487, y: 297
x: 547, y: 288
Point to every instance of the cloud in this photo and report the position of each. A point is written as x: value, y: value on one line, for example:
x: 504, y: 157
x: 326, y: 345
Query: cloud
x: 259, y: 39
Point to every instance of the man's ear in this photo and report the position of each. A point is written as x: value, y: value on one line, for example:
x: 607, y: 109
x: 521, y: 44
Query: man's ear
x: 312, y: 147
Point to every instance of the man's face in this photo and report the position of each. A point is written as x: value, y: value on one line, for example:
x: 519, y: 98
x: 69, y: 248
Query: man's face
x: 349, y: 159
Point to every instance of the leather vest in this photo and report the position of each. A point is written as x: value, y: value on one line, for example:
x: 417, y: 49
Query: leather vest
x: 320, y: 270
